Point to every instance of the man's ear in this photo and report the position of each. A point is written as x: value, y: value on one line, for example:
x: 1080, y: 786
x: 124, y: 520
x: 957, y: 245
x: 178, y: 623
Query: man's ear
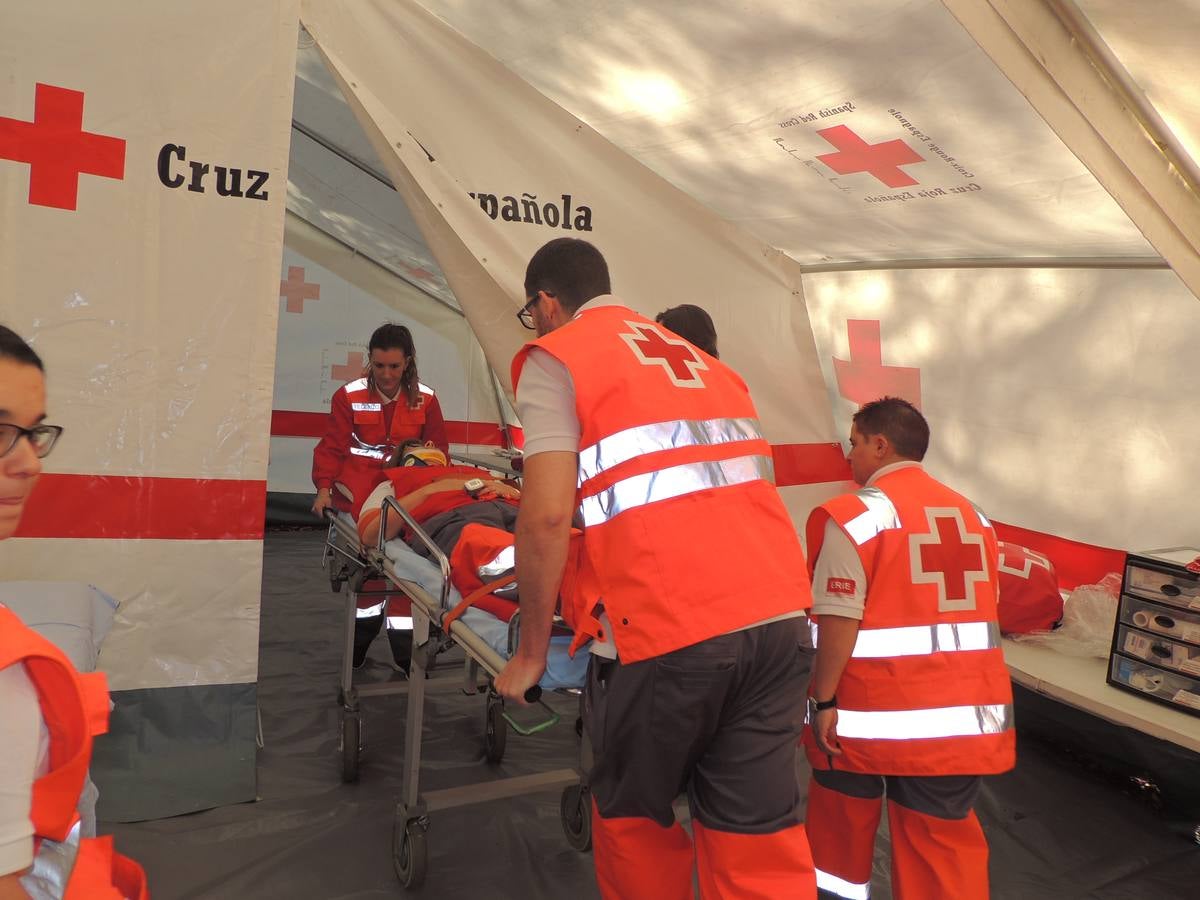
x: 552, y: 308
x: 880, y: 446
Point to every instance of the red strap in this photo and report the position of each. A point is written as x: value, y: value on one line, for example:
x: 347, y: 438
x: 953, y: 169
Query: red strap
x: 471, y: 599
x: 93, y: 688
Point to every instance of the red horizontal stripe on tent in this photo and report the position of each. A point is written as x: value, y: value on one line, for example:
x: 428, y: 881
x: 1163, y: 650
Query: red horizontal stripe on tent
x: 291, y: 423
x: 1074, y: 562
x: 809, y: 464
x: 285, y: 423
x: 127, y: 507
x: 488, y: 433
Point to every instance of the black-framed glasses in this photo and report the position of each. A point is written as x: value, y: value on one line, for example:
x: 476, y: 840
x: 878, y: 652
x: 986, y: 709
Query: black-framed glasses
x: 525, y: 314
x: 41, y: 437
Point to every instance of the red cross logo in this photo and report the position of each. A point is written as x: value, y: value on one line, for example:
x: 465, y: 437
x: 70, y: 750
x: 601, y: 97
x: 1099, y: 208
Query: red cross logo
x: 417, y: 272
x: 677, y: 357
x: 355, y: 363
x: 864, y: 377
x: 57, y: 148
x: 296, y: 290
x: 950, y: 557
x: 880, y: 160
x: 1019, y: 561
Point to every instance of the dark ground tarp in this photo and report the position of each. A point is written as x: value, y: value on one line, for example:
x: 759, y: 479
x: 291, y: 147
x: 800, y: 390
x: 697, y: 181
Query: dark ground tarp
x: 1057, y: 828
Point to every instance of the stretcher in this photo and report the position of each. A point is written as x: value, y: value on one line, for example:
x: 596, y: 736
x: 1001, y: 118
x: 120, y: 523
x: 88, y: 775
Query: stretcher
x: 428, y: 587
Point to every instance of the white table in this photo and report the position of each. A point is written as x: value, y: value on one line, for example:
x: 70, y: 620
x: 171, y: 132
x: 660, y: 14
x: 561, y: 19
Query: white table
x: 1079, y: 682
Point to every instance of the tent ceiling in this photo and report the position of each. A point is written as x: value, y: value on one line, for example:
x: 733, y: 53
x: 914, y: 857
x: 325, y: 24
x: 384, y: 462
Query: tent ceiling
x: 1158, y: 44
x: 705, y: 98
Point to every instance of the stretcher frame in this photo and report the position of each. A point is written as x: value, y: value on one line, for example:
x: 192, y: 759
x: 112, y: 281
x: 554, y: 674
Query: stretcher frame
x: 352, y: 564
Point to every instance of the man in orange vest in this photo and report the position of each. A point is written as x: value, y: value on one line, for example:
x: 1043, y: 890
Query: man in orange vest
x: 49, y: 712
x: 690, y: 581
x: 909, y: 693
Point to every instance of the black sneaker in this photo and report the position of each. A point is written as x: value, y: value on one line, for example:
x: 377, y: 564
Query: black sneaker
x: 364, y: 633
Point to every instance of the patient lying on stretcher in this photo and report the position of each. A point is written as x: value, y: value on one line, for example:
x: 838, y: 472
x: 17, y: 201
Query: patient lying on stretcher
x: 470, y: 515
x: 444, y: 499
x: 467, y: 513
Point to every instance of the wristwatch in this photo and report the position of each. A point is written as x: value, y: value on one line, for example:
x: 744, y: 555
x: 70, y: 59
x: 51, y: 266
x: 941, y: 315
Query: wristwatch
x: 474, y: 486
x: 815, y: 706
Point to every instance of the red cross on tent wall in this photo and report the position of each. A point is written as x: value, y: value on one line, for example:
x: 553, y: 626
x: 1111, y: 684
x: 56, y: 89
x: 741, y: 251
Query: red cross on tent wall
x: 949, y: 557
x: 355, y: 363
x: 296, y: 290
x: 883, y: 160
x: 677, y: 357
x: 57, y: 148
x: 864, y: 377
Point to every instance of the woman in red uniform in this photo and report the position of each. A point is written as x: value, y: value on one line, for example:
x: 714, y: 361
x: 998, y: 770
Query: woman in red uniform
x: 371, y: 416
x: 368, y: 419
x: 49, y: 712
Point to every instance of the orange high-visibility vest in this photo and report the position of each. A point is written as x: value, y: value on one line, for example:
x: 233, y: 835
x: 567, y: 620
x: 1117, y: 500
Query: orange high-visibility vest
x: 926, y: 691
x: 74, y: 707
x: 684, y: 534
x: 369, y: 439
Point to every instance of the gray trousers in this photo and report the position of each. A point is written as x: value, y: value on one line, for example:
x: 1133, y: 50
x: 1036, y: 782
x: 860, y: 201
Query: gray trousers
x: 719, y: 719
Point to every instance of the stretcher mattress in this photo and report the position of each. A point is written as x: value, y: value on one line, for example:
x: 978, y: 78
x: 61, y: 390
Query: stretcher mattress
x: 562, y: 671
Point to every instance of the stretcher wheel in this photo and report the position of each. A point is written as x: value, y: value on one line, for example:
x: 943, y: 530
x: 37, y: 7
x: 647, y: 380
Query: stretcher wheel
x: 350, y: 747
x: 575, y: 810
x: 495, y: 731
x: 410, y: 852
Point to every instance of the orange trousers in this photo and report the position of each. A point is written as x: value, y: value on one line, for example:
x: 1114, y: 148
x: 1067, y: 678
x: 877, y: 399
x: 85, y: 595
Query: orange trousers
x: 638, y: 859
x: 933, y: 857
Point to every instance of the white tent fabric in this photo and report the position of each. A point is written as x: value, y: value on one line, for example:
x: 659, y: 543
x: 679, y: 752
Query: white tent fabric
x: 484, y: 207
x: 323, y: 328
x: 142, y: 191
x: 929, y: 202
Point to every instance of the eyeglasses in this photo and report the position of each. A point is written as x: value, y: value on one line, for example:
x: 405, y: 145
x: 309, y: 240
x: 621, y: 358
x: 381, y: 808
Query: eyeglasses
x: 525, y: 315
x: 42, y: 438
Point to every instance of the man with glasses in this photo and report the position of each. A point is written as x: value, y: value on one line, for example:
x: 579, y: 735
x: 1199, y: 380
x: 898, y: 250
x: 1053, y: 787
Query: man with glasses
x: 690, y: 584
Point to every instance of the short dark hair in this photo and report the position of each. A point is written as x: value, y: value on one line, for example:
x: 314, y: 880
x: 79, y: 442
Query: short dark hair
x: 898, y: 421
x: 14, y: 347
x: 572, y: 270
x: 390, y: 336
x: 692, y: 323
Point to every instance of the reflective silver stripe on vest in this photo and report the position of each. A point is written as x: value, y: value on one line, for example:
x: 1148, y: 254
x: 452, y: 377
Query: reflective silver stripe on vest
x: 634, y: 442
x: 399, y: 623
x: 424, y: 388
x: 982, y: 518
x: 367, y: 451
x: 369, y: 611
x: 840, y: 887
x: 675, y: 481
x: 503, y: 563
x: 880, y: 515
x: 357, y: 385
x: 366, y: 407
x: 914, y: 724
x: 922, y: 640
x: 52, y: 866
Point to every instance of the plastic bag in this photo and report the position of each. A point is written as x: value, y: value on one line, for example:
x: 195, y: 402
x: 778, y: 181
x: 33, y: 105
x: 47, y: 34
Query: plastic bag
x: 1089, y: 614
